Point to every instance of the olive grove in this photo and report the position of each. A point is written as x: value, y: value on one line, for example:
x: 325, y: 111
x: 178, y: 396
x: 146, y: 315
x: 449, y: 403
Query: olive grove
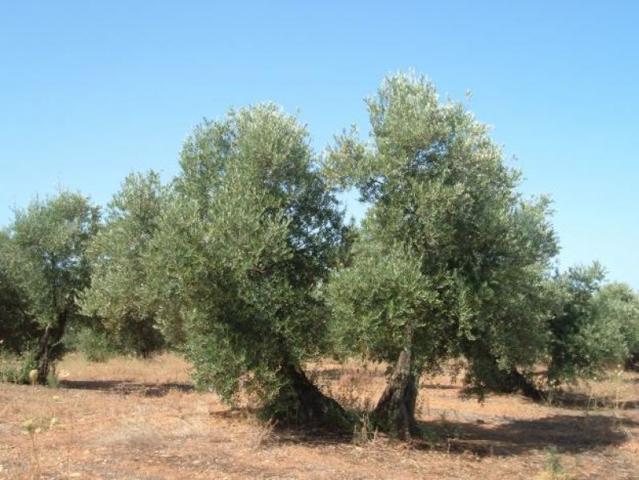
x: 244, y: 264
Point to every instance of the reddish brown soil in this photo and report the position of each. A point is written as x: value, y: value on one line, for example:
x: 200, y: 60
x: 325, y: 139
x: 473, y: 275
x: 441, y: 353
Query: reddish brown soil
x: 134, y: 419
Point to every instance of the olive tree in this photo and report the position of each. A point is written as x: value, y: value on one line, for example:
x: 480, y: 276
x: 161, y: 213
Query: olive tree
x: 46, y: 258
x: 618, y: 305
x: 249, y: 234
x: 594, y: 325
x: 449, y: 257
x: 117, y: 295
x: 17, y: 326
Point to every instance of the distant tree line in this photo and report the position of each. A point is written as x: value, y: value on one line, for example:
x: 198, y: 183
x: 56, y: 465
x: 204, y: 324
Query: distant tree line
x: 245, y: 264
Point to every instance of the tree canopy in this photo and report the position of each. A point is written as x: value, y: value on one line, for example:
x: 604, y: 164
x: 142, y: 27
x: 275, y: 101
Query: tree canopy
x: 250, y: 233
x: 463, y: 251
x: 594, y: 325
x: 45, y: 255
x: 119, y: 284
x: 18, y: 328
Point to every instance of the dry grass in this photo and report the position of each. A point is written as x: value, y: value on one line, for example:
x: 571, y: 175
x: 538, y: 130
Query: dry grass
x: 135, y: 419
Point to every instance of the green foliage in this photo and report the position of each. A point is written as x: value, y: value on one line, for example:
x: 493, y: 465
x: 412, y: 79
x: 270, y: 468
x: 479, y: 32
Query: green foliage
x: 244, y: 263
x: 618, y: 305
x: 44, y: 254
x: 579, y: 342
x: 475, y: 253
x: 52, y: 379
x: 15, y: 368
x: 17, y: 326
x: 50, y: 238
x: 554, y: 467
x: 247, y: 236
x: 118, y: 293
x: 377, y: 298
x: 93, y: 344
x: 594, y: 326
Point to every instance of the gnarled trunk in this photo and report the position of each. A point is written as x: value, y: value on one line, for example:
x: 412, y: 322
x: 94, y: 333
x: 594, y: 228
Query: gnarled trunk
x: 395, y: 410
x: 632, y: 363
x: 493, y: 378
x: 301, y: 403
x: 513, y: 381
x: 50, y: 347
x: 525, y: 386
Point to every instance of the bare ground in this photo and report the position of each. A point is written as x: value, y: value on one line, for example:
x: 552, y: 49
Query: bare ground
x: 134, y: 419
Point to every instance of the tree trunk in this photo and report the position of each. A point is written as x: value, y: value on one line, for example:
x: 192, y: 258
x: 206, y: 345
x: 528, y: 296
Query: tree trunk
x: 495, y: 379
x: 632, y: 363
x: 50, y: 347
x: 512, y: 382
x: 395, y: 411
x: 525, y: 386
x: 300, y: 403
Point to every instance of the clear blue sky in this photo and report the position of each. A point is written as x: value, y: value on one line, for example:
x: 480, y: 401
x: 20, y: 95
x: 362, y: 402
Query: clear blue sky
x: 90, y: 91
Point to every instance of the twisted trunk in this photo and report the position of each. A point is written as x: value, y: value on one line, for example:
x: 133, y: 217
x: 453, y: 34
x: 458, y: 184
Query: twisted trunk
x: 632, y: 363
x: 395, y: 410
x: 300, y: 403
x: 525, y: 386
x: 493, y: 378
x: 50, y: 347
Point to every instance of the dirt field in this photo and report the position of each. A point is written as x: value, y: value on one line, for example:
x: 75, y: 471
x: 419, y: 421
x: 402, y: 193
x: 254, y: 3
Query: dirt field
x: 133, y: 419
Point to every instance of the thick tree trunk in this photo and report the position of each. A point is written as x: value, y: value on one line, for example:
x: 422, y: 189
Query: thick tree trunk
x: 50, y: 347
x: 300, y: 403
x: 395, y: 411
x: 512, y: 382
x: 503, y: 381
x: 632, y: 363
x: 524, y: 385
x: 42, y: 356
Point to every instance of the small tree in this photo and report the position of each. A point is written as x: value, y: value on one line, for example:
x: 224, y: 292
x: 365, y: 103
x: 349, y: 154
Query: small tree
x: 471, y: 251
x: 618, y: 304
x: 593, y: 326
x: 250, y: 233
x: 46, y: 258
x: 117, y: 295
x: 17, y: 328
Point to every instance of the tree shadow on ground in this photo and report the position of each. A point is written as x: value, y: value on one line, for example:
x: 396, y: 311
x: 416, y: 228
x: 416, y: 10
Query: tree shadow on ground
x: 577, y: 400
x: 125, y: 387
x: 565, y: 399
x: 567, y: 433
